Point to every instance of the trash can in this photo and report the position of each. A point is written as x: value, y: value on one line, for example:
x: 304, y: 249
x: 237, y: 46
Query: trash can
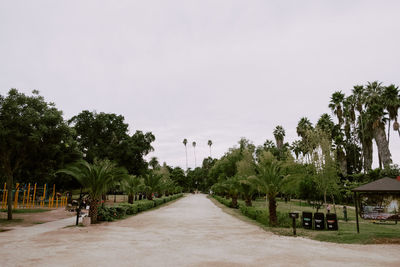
x: 307, y: 220
x: 331, y: 221
x: 319, y: 221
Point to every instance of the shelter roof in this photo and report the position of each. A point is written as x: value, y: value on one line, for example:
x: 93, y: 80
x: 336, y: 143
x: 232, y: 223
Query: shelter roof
x: 382, y: 185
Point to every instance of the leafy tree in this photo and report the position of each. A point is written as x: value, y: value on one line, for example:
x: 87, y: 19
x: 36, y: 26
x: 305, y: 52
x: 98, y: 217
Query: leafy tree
x: 96, y: 179
x: 34, y: 139
x: 105, y: 136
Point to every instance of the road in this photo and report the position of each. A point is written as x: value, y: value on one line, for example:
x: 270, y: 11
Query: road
x: 189, y: 232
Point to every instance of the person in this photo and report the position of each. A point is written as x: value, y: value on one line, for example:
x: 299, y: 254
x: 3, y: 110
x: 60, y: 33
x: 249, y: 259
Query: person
x: 328, y: 208
x: 345, y: 213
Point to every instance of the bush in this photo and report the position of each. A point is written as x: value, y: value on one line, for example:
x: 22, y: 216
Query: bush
x: 226, y: 202
x: 110, y: 213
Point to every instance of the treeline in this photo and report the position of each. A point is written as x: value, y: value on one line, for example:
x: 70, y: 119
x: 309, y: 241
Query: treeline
x: 327, y: 161
x: 36, y: 141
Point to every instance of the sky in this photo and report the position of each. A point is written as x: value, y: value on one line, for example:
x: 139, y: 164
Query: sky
x: 200, y: 70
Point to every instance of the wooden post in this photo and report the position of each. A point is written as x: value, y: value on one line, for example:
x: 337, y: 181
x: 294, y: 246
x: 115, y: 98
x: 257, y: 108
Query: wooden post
x: 23, y: 199
x: 356, y: 205
x: 44, y: 194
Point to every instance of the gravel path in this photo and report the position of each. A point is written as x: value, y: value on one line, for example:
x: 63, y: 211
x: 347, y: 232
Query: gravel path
x: 190, y: 232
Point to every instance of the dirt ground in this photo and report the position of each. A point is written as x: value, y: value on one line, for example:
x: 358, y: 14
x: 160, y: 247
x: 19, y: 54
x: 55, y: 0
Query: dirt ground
x: 29, y: 219
x: 190, y: 232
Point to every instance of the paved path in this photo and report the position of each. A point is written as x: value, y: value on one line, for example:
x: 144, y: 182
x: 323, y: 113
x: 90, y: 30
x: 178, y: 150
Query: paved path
x: 190, y: 232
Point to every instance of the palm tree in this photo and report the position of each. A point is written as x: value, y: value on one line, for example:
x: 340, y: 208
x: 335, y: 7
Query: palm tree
x: 194, y: 150
x: 152, y: 184
x: 132, y: 185
x: 185, y: 143
x: 303, y: 127
x: 375, y: 114
x: 325, y: 123
x: 154, y: 163
x: 270, y: 180
x: 392, y: 102
x: 232, y: 186
x: 364, y: 132
x: 96, y: 179
x: 296, y: 147
x: 279, y: 134
x: 209, y: 143
x: 336, y: 105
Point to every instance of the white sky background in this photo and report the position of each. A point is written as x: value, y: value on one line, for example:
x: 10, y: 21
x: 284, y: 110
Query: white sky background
x: 199, y: 70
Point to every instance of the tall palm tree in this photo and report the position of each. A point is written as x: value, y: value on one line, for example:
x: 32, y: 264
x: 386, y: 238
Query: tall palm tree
x: 325, y: 123
x: 303, y: 127
x: 391, y: 100
x: 376, y: 115
x: 336, y: 105
x: 279, y: 134
x: 96, y: 179
x: 270, y: 180
x: 364, y: 132
x: 209, y: 143
x: 194, y: 150
x: 185, y: 143
x: 132, y: 185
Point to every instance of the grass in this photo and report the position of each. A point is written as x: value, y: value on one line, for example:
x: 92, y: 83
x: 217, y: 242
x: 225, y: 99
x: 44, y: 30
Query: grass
x: 19, y: 211
x: 370, y: 233
x: 4, y: 221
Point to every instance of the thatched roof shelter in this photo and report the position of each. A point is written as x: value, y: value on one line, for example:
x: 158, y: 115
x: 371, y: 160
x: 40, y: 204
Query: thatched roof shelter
x: 384, y: 185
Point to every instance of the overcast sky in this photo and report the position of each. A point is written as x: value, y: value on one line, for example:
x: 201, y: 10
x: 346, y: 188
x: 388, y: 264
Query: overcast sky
x: 202, y: 69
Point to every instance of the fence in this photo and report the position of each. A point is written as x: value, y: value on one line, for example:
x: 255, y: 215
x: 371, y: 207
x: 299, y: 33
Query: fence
x: 32, y: 196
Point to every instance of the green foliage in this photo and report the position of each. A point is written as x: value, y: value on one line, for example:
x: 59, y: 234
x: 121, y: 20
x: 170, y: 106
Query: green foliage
x: 111, y: 213
x: 106, y: 136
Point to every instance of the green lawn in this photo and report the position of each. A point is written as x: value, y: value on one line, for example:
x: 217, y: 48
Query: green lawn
x: 370, y: 232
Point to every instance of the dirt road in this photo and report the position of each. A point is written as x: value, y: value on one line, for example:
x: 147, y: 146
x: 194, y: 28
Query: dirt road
x: 190, y: 232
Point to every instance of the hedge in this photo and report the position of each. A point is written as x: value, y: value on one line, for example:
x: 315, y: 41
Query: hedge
x: 111, y: 213
x: 260, y: 215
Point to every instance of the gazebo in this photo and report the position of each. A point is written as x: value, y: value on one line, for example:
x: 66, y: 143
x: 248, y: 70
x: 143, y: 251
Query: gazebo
x: 385, y: 187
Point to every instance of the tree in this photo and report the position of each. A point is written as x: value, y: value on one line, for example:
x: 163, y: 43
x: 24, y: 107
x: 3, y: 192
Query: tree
x: 194, y: 150
x: 132, y: 185
x: 336, y: 105
x: 209, y: 143
x: 152, y: 184
x: 185, y: 143
x: 391, y: 100
x: 34, y: 139
x: 96, y: 179
x: 106, y: 136
x: 270, y: 180
x: 279, y: 134
x: 154, y: 163
x: 375, y: 115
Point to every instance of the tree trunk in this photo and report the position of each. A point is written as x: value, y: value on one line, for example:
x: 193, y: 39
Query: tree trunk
x: 273, y: 221
x: 367, y: 152
x: 388, y: 131
x: 383, y: 146
x: 342, y: 162
x: 248, y: 201
x: 130, y: 198
x: 234, y: 202
x: 9, y: 196
x: 93, y: 211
